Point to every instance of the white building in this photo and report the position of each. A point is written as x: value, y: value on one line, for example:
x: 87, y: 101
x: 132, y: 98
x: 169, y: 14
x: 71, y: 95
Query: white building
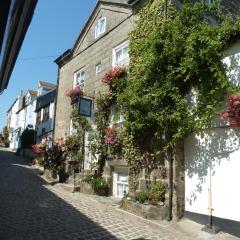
x: 22, y: 114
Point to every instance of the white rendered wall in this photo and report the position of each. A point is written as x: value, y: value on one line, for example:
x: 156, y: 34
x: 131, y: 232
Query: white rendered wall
x: 218, y: 149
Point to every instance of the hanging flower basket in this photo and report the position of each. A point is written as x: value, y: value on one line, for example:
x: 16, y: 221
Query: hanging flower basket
x: 74, y: 94
x: 232, y: 111
x: 110, y: 77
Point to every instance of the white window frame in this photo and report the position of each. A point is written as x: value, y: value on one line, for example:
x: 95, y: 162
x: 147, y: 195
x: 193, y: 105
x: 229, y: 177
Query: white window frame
x: 113, y: 112
x: 116, y: 172
x: 117, y: 49
x: 80, y: 71
x: 98, y: 68
x: 98, y: 30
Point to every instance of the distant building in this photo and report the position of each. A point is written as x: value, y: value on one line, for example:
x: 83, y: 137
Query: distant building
x: 45, y: 116
x: 22, y: 114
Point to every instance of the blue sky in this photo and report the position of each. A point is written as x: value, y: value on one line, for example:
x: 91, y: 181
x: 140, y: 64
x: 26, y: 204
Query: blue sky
x: 54, y: 29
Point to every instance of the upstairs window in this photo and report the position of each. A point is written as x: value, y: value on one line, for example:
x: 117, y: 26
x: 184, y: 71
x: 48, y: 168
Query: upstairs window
x: 121, y: 55
x: 46, y: 113
x: 100, y: 27
x: 79, y: 78
x: 98, y: 68
x: 39, y: 116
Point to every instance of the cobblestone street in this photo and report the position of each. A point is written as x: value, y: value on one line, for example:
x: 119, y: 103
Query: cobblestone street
x: 32, y: 209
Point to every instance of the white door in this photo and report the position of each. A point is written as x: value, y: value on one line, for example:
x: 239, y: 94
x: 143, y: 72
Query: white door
x: 120, y: 182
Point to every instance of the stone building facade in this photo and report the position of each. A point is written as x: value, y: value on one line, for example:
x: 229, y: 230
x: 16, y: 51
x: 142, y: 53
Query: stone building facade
x: 102, y: 44
x: 95, y: 51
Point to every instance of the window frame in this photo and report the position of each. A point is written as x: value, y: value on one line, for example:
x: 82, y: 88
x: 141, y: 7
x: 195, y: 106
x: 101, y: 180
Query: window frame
x: 97, y: 27
x: 116, y: 173
x: 98, y: 71
x: 75, y: 83
x: 39, y: 117
x: 120, y: 47
x: 46, y: 113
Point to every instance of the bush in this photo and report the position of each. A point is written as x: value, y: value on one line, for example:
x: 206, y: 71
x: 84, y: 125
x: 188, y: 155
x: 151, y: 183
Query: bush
x: 98, y: 183
x: 141, y: 196
x: 158, y: 190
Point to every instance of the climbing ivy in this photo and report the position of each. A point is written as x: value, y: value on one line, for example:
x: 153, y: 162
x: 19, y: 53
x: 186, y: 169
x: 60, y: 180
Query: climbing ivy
x: 174, y: 60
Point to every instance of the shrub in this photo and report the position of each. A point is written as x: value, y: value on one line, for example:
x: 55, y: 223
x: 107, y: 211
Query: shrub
x: 158, y: 190
x: 98, y: 183
x: 141, y: 196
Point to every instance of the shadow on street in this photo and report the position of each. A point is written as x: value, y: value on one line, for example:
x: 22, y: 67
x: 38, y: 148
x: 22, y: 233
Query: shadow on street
x: 29, y: 211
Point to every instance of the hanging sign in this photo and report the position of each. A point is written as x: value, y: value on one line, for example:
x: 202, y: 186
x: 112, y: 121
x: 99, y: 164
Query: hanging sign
x: 85, y: 107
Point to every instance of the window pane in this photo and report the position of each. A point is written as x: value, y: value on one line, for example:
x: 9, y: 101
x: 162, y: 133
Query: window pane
x: 125, y: 52
x: 102, y: 25
x: 118, y: 56
x: 122, y: 177
x: 120, y: 190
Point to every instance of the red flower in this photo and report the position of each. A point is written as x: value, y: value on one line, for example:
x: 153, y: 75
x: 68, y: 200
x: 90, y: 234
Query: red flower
x: 36, y: 149
x: 225, y: 115
x: 236, y: 103
x: 112, y: 75
x: 233, y: 122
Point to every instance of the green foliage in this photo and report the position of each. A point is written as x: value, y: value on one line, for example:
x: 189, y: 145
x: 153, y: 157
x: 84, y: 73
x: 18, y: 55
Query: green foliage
x: 170, y: 60
x: 74, y: 147
x: 98, y: 146
x: 141, y: 196
x: 98, y: 183
x: 53, y: 159
x: 158, y: 190
x: 27, y: 138
x: 62, y: 173
x: 5, y: 133
x: 75, y: 143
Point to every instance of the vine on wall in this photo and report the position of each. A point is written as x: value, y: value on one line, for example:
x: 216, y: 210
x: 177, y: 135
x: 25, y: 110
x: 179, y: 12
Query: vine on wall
x: 102, y: 147
x: 171, y: 58
x: 173, y: 55
x: 75, y: 142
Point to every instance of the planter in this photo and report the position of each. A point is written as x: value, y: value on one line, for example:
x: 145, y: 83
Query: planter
x: 145, y: 211
x: 102, y: 191
x: 87, y: 189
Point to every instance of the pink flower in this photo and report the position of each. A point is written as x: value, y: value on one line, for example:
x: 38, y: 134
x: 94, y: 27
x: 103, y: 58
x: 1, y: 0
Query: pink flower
x: 234, y: 97
x: 225, y: 115
x: 233, y: 122
x: 236, y: 103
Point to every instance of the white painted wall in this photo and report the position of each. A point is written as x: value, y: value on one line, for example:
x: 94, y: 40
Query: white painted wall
x: 219, y: 149
x: 30, y: 114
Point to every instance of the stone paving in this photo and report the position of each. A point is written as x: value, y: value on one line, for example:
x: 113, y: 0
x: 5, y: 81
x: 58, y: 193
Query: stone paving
x: 31, y: 209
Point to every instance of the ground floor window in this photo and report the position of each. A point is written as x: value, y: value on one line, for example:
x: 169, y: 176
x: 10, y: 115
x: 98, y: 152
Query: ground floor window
x: 120, y: 182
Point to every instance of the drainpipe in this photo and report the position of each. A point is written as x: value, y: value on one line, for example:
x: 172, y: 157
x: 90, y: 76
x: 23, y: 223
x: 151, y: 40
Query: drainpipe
x: 165, y: 9
x: 170, y: 184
